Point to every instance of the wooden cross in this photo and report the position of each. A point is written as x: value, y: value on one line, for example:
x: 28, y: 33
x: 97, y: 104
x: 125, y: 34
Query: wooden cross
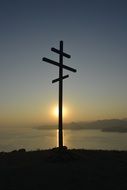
x: 60, y: 80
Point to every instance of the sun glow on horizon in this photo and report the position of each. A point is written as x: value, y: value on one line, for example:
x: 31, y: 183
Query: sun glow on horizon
x: 56, y: 111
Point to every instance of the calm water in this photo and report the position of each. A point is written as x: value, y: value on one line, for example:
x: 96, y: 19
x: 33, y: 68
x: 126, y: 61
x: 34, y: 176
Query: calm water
x: 32, y: 139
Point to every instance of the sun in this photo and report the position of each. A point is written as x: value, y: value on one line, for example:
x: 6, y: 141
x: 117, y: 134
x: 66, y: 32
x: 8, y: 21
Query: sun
x: 56, y: 111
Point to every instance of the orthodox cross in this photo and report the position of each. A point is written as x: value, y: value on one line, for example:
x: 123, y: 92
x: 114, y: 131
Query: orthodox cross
x: 60, y: 80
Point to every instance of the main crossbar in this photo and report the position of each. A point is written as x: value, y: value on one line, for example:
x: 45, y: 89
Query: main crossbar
x: 58, y: 65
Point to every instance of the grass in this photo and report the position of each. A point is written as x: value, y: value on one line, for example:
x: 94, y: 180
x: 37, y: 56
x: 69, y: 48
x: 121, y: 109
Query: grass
x: 63, y: 169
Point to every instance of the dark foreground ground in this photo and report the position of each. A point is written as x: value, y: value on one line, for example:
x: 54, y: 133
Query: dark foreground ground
x: 63, y: 170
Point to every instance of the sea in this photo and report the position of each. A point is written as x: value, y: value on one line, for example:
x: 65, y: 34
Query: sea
x: 35, y: 139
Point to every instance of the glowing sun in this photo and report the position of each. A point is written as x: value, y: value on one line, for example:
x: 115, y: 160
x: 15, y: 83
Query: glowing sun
x: 56, y: 111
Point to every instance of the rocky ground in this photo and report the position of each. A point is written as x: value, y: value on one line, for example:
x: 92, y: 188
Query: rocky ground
x: 63, y: 169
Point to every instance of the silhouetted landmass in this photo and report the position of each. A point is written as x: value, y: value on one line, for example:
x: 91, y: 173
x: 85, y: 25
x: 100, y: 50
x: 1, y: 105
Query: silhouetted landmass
x: 63, y: 170
x: 109, y: 125
x: 119, y: 129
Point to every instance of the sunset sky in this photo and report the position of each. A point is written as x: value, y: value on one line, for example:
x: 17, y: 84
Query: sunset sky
x: 94, y: 33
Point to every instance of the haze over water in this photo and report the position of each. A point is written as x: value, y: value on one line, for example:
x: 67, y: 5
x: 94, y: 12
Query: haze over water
x: 32, y: 139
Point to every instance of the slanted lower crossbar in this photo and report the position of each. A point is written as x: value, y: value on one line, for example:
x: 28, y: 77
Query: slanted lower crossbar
x: 58, y: 79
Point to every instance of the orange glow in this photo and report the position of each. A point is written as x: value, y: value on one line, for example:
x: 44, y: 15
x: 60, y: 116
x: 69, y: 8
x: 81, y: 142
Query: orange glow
x: 56, y: 111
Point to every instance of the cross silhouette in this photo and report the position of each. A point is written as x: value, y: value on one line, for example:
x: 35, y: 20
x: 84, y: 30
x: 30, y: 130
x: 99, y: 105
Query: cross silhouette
x: 60, y: 80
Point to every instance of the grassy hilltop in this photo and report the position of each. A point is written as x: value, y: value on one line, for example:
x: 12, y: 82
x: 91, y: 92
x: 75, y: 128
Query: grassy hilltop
x: 63, y: 170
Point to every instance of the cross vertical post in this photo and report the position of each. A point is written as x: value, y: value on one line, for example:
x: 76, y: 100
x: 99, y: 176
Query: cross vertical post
x: 60, y: 80
x: 61, y: 96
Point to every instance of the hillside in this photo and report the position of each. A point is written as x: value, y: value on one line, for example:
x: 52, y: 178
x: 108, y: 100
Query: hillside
x: 68, y: 169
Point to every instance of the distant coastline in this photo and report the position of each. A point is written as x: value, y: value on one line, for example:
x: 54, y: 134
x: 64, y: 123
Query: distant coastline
x: 107, y: 125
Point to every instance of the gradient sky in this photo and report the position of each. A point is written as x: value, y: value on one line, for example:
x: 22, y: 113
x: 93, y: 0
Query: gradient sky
x: 94, y: 33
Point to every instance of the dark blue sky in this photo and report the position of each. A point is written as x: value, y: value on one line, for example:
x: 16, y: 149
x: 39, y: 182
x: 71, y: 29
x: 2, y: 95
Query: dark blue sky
x: 94, y: 33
